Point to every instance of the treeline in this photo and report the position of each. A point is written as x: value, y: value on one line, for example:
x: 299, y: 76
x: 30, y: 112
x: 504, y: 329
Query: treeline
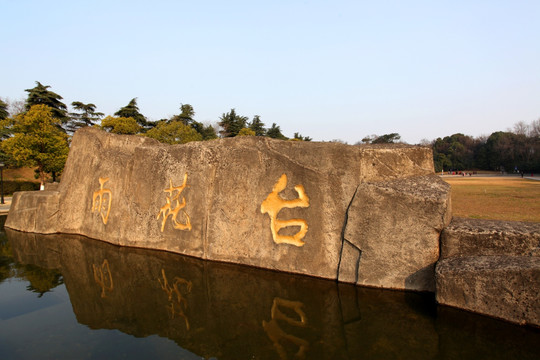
x: 516, y: 150
x: 36, y: 131
x: 129, y: 120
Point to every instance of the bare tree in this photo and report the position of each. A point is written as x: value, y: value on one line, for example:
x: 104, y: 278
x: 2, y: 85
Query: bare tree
x: 15, y: 107
x: 521, y: 128
x: 535, y: 128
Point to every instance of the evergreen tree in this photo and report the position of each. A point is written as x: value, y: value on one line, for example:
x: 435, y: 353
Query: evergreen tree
x: 275, y: 132
x: 231, y: 123
x: 174, y: 132
x: 207, y: 132
x: 120, y: 125
x: 187, y: 113
x: 37, y: 141
x: 298, y: 136
x: 86, y: 116
x: 455, y: 152
x: 257, y: 126
x: 5, y: 132
x: 3, y: 110
x: 131, y: 110
x: 186, y: 116
x: 386, y: 139
x: 40, y: 95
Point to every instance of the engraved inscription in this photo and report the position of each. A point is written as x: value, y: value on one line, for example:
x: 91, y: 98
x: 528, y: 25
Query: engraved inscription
x: 173, y: 206
x: 272, y: 206
x: 101, y: 200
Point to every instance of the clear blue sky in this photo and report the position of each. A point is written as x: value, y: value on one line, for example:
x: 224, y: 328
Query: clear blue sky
x: 327, y: 69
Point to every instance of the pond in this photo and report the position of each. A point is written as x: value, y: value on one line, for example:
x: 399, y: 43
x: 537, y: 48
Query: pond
x: 66, y: 296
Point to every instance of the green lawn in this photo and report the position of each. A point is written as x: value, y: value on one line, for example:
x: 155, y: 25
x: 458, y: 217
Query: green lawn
x: 496, y: 198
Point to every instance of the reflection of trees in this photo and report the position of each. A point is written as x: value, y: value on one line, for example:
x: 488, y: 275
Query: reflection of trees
x: 41, y: 280
x: 6, y: 259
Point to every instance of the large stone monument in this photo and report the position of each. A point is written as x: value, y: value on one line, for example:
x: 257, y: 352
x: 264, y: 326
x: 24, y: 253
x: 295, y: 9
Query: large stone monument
x: 368, y: 215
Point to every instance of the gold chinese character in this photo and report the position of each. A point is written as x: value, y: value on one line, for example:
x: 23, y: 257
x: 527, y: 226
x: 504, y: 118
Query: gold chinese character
x: 104, y: 279
x: 173, y: 200
x: 276, y: 334
x: 101, y: 206
x: 178, y: 303
x: 274, y: 203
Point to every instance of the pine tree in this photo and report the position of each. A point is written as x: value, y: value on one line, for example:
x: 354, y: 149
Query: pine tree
x: 298, y: 136
x: 86, y: 116
x: 231, y: 123
x: 131, y: 110
x: 257, y: 126
x: 4, y: 114
x: 40, y: 95
x: 186, y: 114
x: 275, y: 132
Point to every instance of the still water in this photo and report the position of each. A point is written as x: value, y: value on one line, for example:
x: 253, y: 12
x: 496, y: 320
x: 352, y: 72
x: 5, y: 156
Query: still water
x: 69, y: 297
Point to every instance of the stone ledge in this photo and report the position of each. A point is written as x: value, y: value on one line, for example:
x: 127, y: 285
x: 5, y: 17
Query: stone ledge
x: 255, y: 201
x: 471, y: 237
x: 504, y: 287
x: 34, y: 211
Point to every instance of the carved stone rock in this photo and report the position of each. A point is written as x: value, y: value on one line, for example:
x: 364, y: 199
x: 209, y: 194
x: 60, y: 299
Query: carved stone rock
x: 469, y: 237
x: 492, y: 268
x: 256, y: 201
x: 504, y: 287
x: 394, y: 226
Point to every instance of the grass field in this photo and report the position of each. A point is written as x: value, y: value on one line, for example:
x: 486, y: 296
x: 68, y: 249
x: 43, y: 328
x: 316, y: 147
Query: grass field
x: 496, y: 198
x: 21, y: 174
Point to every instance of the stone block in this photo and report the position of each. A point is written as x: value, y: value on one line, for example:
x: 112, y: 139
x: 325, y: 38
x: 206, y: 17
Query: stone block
x: 505, y: 287
x: 34, y: 211
x: 470, y: 237
x: 395, y: 227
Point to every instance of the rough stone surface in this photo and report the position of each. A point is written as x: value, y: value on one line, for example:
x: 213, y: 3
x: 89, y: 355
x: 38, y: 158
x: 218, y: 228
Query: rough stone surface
x: 217, y: 189
x: 469, y: 237
x: 504, y: 287
x: 52, y: 186
x: 394, y: 226
x: 35, y: 211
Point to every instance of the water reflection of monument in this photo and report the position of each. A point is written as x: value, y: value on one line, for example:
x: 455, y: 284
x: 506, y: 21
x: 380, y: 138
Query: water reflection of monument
x: 232, y: 312
x: 177, y: 302
x: 278, y: 335
x: 103, y: 277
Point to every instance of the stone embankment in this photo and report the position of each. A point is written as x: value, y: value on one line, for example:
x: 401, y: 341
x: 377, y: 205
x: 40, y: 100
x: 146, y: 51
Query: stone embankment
x: 491, y: 267
x: 367, y: 215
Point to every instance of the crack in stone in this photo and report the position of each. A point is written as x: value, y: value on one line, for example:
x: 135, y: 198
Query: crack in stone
x: 343, y: 240
x: 290, y: 160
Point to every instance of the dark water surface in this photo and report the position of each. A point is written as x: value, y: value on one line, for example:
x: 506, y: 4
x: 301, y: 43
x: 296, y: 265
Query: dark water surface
x: 69, y: 297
